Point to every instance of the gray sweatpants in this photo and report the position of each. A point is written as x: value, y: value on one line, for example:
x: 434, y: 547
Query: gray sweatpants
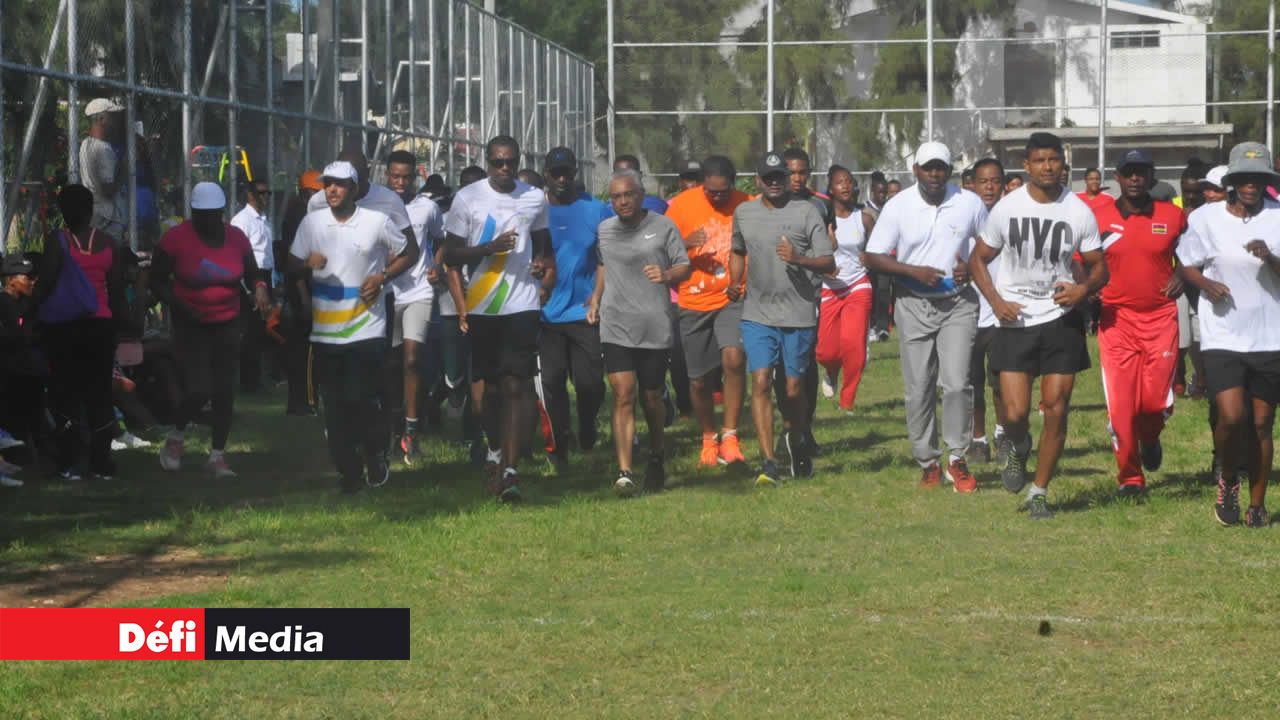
x: 936, y: 341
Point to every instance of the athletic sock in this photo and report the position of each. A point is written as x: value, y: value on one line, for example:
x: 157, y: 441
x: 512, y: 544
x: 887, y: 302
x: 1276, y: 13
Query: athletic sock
x: 999, y: 430
x: 1037, y: 490
x: 982, y: 439
x: 727, y: 432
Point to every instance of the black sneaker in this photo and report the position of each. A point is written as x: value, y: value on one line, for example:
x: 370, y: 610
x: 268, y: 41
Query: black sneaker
x: 625, y: 486
x: 1152, y: 456
x: 510, y: 487
x: 798, y: 451
x: 979, y: 452
x: 1038, y: 506
x: 768, y: 476
x: 1227, y: 508
x: 1014, y: 473
x: 655, y: 475
x: 1256, y: 517
x: 409, y: 449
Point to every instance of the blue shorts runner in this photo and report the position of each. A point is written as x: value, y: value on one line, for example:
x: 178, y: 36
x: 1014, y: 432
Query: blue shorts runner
x: 791, y: 347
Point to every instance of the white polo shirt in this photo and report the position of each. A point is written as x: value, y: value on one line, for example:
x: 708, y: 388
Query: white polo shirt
x: 354, y: 250
x: 928, y: 235
x: 257, y: 228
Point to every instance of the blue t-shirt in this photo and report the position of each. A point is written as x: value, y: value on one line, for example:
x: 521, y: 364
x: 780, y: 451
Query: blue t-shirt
x: 573, y: 235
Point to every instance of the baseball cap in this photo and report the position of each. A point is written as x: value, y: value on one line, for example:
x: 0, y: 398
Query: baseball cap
x: 770, y: 163
x: 97, y: 106
x: 933, y: 150
x: 560, y: 157
x: 310, y: 180
x: 1134, y: 157
x: 208, y: 196
x: 1216, y: 177
x: 1250, y: 158
x: 693, y: 168
x: 15, y: 264
x: 340, y: 170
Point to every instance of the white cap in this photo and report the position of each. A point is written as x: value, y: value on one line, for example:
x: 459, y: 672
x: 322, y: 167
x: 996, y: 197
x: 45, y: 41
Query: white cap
x: 340, y: 170
x: 97, y: 106
x: 208, y: 196
x: 1217, y: 176
x: 931, y: 151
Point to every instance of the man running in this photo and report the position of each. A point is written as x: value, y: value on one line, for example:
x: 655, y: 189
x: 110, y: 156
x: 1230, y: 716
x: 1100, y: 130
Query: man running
x: 988, y: 182
x: 922, y: 239
x: 786, y: 241
x: 350, y: 253
x: 641, y: 256
x: 652, y: 203
x: 710, y: 322
x: 569, y: 346
x: 1138, y: 333
x: 1036, y: 230
x: 414, y: 295
x: 500, y: 225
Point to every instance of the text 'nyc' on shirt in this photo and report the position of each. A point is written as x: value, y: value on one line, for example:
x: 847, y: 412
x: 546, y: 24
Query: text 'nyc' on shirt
x: 353, y: 251
x: 779, y: 294
x: 1249, y: 319
x: 500, y: 284
x: 1036, y: 243
x: 928, y: 235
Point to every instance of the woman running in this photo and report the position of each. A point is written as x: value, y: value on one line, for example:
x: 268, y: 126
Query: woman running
x: 845, y: 311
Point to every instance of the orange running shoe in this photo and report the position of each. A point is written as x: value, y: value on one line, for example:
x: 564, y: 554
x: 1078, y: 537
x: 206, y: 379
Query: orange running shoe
x: 710, y: 451
x: 730, y: 451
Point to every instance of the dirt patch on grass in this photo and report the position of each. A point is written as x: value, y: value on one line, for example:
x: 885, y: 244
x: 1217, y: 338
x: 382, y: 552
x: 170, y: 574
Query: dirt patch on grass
x: 107, y: 580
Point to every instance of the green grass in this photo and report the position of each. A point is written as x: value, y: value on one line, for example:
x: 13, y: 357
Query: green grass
x: 853, y: 594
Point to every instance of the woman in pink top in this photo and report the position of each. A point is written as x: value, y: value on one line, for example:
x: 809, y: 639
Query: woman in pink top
x: 81, y: 350
x: 200, y: 271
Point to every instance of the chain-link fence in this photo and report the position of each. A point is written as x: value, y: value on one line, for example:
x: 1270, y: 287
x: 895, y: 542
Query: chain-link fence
x: 229, y: 89
x: 862, y: 82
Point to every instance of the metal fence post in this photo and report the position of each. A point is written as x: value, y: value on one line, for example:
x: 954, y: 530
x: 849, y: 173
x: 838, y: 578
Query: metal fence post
x: 73, y: 93
x: 610, y: 120
x: 413, y: 69
x: 1271, y: 70
x: 233, y: 116
x: 928, y: 69
x: 4, y: 217
x: 1102, y: 85
x: 306, y: 84
x: 387, y: 79
x: 268, y: 40
x: 131, y: 144
x: 364, y: 70
x: 768, y: 83
x: 186, y: 108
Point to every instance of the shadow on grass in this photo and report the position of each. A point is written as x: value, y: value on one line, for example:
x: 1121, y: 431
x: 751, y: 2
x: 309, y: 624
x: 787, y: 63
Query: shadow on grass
x: 1175, y: 486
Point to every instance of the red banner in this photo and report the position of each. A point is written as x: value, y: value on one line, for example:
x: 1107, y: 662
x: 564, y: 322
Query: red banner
x: 102, y: 634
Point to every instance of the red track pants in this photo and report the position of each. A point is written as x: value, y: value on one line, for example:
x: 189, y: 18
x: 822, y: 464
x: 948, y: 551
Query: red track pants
x: 1139, y: 353
x: 842, y: 336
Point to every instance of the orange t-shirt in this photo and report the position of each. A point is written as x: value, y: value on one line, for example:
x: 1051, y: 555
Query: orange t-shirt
x: 691, y: 211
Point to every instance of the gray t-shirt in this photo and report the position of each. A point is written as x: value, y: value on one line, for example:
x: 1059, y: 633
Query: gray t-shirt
x: 779, y: 294
x: 635, y: 312
x: 98, y: 163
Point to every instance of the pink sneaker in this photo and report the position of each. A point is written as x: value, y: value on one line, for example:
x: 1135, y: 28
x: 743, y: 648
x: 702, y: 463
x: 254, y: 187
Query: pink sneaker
x: 217, y: 466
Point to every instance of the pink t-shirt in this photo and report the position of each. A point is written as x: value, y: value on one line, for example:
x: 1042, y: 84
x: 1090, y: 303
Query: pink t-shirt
x: 95, y: 266
x: 206, y: 279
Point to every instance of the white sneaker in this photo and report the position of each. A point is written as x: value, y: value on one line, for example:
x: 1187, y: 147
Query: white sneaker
x: 6, y: 481
x: 171, y: 453
x: 217, y: 467
x: 131, y: 441
x: 624, y: 486
x: 8, y: 441
x: 828, y: 388
x: 117, y: 445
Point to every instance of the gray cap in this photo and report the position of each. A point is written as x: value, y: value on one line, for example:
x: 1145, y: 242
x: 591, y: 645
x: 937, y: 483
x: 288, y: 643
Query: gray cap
x: 1250, y: 158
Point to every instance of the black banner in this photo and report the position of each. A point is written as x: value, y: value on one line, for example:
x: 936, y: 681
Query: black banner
x: 306, y: 634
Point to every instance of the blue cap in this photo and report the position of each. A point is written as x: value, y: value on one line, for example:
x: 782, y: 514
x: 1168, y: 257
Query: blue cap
x: 560, y: 157
x: 1135, y: 157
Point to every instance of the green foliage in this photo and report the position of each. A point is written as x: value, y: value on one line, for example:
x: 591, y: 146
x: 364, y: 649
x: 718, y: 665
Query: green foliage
x: 1241, y: 70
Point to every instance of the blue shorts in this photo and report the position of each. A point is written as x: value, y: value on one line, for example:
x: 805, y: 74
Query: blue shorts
x: 769, y: 346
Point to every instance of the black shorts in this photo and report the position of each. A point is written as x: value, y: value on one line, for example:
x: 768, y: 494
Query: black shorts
x: 1052, y: 348
x: 649, y: 365
x: 980, y: 372
x: 1257, y: 372
x: 504, y: 345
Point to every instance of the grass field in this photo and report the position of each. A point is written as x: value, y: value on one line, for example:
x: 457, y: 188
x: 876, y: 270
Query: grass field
x: 853, y: 594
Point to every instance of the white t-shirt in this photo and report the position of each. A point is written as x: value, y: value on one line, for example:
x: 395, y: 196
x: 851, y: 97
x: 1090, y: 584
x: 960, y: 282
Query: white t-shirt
x: 928, y: 235
x: 986, y: 315
x: 379, y: 197
x: 1036, y: 243
x: 851, y: 240
x: 428, y: 226
x: 1248, y: 320
x: 353, y: 250
x: 500, y: 284
x: 255, y: 226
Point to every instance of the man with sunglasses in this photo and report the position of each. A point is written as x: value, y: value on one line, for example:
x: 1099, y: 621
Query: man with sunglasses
x: 500, y: 227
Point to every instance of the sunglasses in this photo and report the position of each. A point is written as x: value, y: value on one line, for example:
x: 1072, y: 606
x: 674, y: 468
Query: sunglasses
x: 504, y: 162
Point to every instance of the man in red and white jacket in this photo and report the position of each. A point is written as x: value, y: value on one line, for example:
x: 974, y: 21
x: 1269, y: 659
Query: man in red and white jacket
x: 1138, y: 332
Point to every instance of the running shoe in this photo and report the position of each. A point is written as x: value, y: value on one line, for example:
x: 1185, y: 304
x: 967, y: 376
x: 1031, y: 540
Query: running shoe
x: 8, y: 441
x: 798, y: 451
x: 625, y: 486
x: 10, y: 482
x: 962, y: 480
x: 171, y: 454
x: 979, y: 451
x: 768, y: 476
x: 131, y: 441
x: 931, y: 477
x: 217, y: 468
x: 1014, y: 473
x: 409, y: 449
x: 1256, y: 517
x: 828, y: 386
x: 1152, y: 456
x: 509, y: 491
x: 655, y: 475
x: 710, y: 454
x: 1131, y: 489
x: 730, y: 451
x: 1227, y: 508
x: 70, y: 475
x: 1038, y: 507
